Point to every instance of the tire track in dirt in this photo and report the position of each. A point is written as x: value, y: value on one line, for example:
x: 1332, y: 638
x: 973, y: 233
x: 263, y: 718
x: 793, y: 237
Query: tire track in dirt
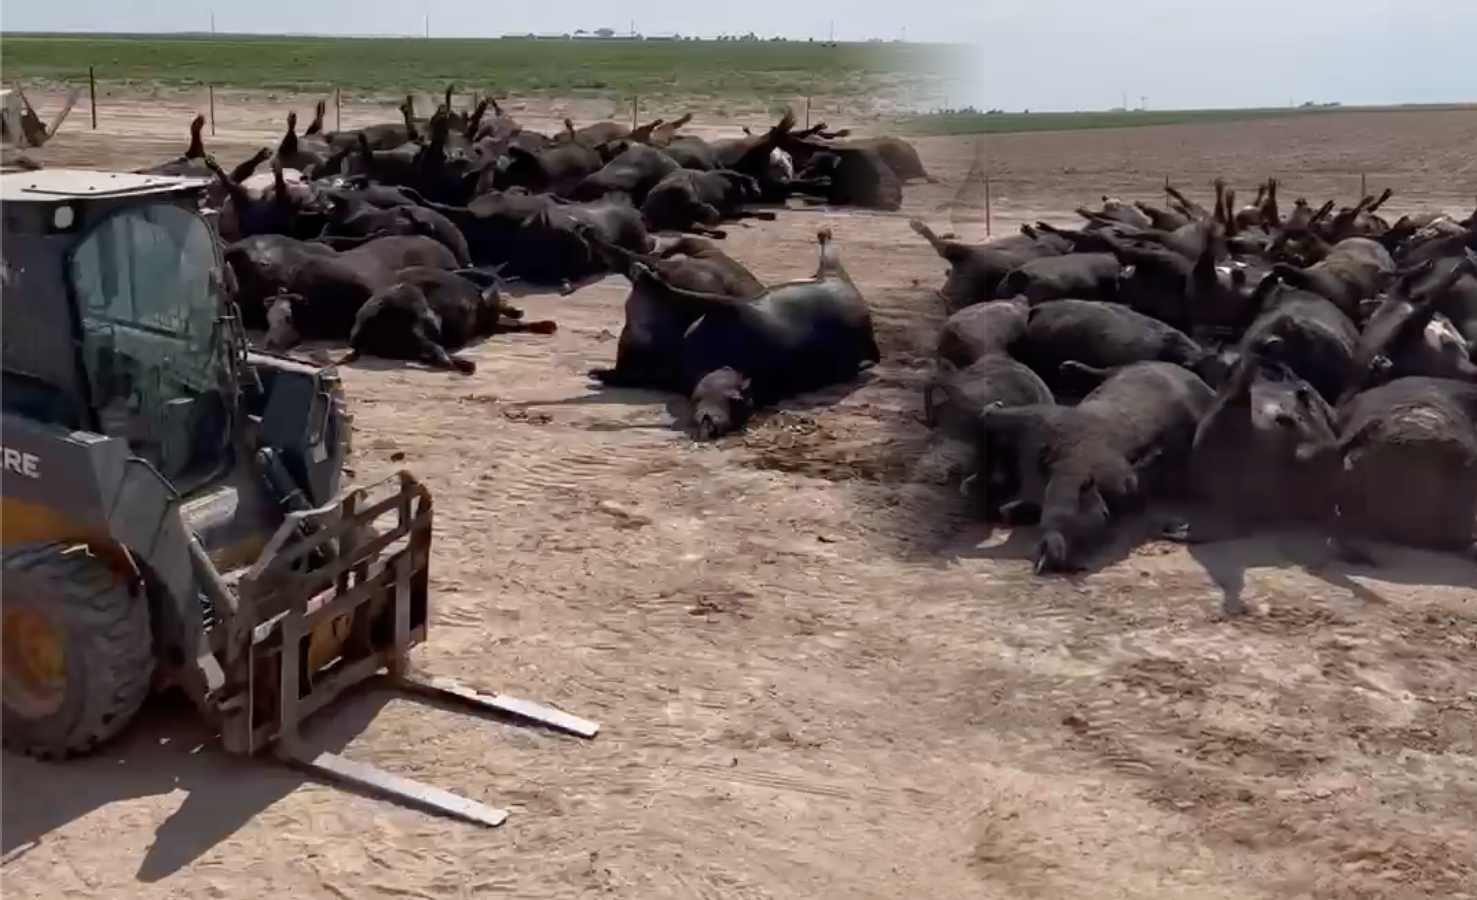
x: 1144, y: 719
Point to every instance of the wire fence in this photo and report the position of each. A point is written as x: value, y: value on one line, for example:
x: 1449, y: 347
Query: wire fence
x: 222, y: 108
x: 995, y: 194
x: 1000, y: 191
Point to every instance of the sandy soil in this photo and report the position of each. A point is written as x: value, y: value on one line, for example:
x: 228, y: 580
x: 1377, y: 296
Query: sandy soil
x: 816, y: 677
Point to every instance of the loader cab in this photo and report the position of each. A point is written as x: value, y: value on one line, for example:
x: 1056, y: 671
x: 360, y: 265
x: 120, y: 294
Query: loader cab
x: 113, y: 314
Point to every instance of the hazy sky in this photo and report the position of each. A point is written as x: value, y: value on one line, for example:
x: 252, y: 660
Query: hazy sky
x: 1036, y: 54
x: 1087, y: 54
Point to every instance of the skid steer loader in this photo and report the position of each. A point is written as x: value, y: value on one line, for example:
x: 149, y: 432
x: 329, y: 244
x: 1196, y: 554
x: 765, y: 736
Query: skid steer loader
x: 171, y: 498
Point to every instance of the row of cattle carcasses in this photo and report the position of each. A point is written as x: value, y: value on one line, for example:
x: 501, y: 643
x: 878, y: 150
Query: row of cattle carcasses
x: 395, y: 237
x: 1305, y: 367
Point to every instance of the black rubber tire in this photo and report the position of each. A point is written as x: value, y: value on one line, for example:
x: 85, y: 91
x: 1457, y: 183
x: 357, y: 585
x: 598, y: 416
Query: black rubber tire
x: 108, y: 648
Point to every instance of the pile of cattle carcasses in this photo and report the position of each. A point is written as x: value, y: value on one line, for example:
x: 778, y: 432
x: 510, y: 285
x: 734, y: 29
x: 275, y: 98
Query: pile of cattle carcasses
x: 1263, y: 367
x: 399, y: 239
x: 1272, y: 366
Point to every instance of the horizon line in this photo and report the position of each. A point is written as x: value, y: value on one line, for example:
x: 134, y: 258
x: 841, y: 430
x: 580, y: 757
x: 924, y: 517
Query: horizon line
x: 619, y: 37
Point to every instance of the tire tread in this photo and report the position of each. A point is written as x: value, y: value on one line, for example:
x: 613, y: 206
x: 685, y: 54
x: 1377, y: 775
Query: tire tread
x: 116, y: 617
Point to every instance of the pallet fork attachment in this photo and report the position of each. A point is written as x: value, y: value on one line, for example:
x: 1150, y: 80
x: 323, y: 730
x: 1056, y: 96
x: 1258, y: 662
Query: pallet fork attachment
x: 374, y: 584
x: 428, y: 797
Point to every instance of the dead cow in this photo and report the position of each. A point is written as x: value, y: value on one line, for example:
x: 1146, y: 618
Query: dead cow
x: 975, y: 272
x: 428, y: 311
x: 1079, y: 465
x: 1407, y: 461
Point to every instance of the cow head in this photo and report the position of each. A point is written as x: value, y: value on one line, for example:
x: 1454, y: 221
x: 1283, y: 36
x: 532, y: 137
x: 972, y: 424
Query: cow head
x: 781, y: 166
x: 282, y: 335
x: 742, y: 188
x: 1073, y: 514
x: 721, y: 403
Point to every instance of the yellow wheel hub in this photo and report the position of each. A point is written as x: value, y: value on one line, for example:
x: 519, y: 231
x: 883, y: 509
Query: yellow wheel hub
x: 35, y: 663
x: 326, y: 643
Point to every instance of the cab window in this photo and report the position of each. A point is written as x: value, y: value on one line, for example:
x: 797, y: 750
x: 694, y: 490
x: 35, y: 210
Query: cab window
x: 145, y: 284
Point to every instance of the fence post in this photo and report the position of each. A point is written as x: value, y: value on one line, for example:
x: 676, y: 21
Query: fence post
x: 338, y: 109
x: 988, y: 215
x: 1363, y: 186
x: 1166, y: 191
x: 92, y: 95
x: 635, y: 112
x: 807, y: 111
x: 211, y: 88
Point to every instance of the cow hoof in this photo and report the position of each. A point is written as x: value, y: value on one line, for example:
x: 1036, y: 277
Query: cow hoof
x: 1051, y: 557
x: 464, y: 366
x: 969, y: 484
x: 1177, y: 532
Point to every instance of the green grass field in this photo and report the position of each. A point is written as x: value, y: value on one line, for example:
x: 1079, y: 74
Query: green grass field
x: 503, y: 67
x: 1009, y: 123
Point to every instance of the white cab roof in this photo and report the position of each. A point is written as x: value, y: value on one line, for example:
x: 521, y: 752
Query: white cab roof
x: 51, y: 185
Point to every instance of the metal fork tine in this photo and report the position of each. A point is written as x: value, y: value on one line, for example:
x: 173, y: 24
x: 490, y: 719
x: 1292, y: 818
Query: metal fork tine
x: 394, y: 787
x: 527, y: 710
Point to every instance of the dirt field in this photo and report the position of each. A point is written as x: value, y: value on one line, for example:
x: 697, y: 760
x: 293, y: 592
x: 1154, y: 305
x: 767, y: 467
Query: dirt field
x: 816, y: 678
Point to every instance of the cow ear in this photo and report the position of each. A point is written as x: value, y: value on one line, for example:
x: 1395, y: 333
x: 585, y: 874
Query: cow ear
x: 1270, y: 345
x: 744, y: 386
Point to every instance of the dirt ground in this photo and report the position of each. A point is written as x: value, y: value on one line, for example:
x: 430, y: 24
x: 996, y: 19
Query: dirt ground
x: 816, y: 676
